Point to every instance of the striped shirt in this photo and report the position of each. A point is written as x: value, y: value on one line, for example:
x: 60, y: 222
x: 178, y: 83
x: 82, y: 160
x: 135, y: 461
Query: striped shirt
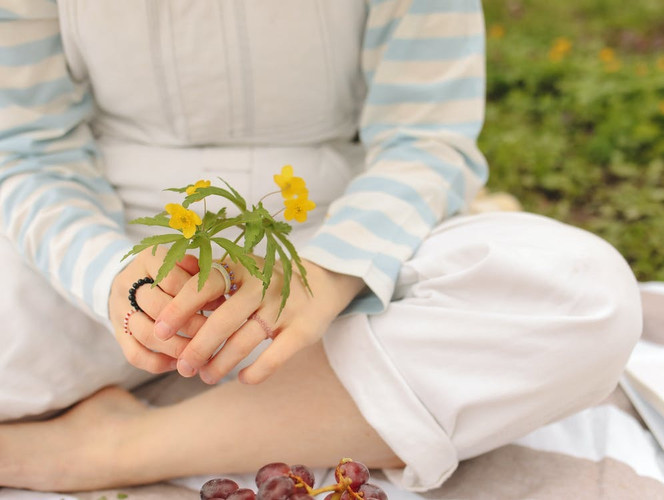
x: 423, y: 62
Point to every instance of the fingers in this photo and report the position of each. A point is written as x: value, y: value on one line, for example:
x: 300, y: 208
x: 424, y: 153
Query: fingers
x: 141, y: 328
x: 284, y: 346
x: 141, y: 348
x: 187, y: 302
x: 189, y: 263
x: 237, y: 347
x: 218, y: 327
x: 142, y: 357
x: 154, y: 300
x: 177, y: 278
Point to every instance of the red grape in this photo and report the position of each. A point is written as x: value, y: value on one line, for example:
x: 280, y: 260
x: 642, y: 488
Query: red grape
x: 301, y: 495
x: 218, y: 489
x: 372, y: 491
x: 303, y: 473
x: 242, y: 494
x: 276, y: 488
x: 271, y: 470
x: 357, y: 472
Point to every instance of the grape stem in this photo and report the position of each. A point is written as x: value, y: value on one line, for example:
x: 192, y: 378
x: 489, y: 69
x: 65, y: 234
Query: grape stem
x: 318, y: 491
x: 340, y: 487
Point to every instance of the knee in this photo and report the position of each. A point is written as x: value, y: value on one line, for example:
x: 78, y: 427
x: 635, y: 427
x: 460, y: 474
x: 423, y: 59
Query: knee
x: 619, y: 326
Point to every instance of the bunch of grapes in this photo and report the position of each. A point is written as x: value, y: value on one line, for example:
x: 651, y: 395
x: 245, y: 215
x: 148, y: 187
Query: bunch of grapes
x: 280, y: 481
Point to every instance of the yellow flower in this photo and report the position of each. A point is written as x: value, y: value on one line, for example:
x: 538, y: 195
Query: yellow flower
x: 496, y: 31
x: 607, y: 55
x: 560, y: 48
x: 290, y: 186
x: 183, y: 219
x: 199, y: 184
x: 660, y: 105
x: 297, y: 208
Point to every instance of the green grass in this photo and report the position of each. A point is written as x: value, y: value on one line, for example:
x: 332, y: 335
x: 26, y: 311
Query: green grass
x: 577, y: 132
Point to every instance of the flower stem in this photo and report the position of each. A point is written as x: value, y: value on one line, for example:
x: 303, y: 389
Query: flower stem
x: 269, y: 194
x: 277, y: 213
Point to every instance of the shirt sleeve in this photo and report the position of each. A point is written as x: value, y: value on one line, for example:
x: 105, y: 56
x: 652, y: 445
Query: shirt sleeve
x: 424, y: 65
x: 57, y: 209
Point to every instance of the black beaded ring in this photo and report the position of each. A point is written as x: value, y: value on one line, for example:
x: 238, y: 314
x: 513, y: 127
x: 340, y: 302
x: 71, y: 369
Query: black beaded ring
x: 136, y: 286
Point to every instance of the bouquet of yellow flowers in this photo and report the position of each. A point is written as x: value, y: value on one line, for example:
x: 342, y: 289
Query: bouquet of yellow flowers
x: 255, y: 223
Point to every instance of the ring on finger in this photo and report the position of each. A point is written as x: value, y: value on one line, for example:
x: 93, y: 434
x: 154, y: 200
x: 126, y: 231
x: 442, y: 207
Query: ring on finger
x: 228, y: 275
x: 125, y: 323
x: 269, y: 332
x: 134, y: 287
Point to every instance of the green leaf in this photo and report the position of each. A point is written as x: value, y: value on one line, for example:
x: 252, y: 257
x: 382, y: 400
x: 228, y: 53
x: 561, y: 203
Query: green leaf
x: 159, y: 239
x: 237, y: 254
x: 204, y: 260
x: 174, y: 254
x: 278, y: 226
x: 239, y: 198
x: 212, y: 190
x: 161, y: 219
x: 178, y: 190
x: 253, y: 234
x: 296, y: 258
x: 208, y: 219
x: 223, y: 224
x: 268, y: 264
x: 232, y: 248
x: 288, y: 272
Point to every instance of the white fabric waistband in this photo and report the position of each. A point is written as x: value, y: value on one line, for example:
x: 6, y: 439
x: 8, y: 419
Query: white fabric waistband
x: 140, y: 173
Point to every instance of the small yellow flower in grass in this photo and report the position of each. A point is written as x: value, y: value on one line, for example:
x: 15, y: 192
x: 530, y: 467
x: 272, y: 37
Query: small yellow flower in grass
x: 199, y: 184
x: 607, y: 55
x: 183, y: 219
x: 290, y: 186
x: 560, y: 48
x: 297, y: 208
x: 496, y: 31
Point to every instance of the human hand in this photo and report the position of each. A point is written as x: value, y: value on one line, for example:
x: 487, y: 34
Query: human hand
x: 141, y: 348
x: 303, y: 321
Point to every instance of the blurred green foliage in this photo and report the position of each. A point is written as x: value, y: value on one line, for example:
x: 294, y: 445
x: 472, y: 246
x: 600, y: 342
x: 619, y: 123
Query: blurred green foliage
x: 575, y: 117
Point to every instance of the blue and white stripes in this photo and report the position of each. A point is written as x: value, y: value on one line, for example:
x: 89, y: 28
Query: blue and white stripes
x: 424, y: 65
x: 55, y: 206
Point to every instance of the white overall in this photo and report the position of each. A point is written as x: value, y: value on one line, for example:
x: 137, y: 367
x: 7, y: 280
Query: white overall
x: 500, y: 322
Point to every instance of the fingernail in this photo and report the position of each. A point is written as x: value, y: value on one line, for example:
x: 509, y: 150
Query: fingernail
x: 205, y: 377
x: 161, y: 330
x: 185, y: 369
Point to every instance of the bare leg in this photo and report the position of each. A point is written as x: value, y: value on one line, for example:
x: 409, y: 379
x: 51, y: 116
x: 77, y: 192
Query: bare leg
x: 301, y: 415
